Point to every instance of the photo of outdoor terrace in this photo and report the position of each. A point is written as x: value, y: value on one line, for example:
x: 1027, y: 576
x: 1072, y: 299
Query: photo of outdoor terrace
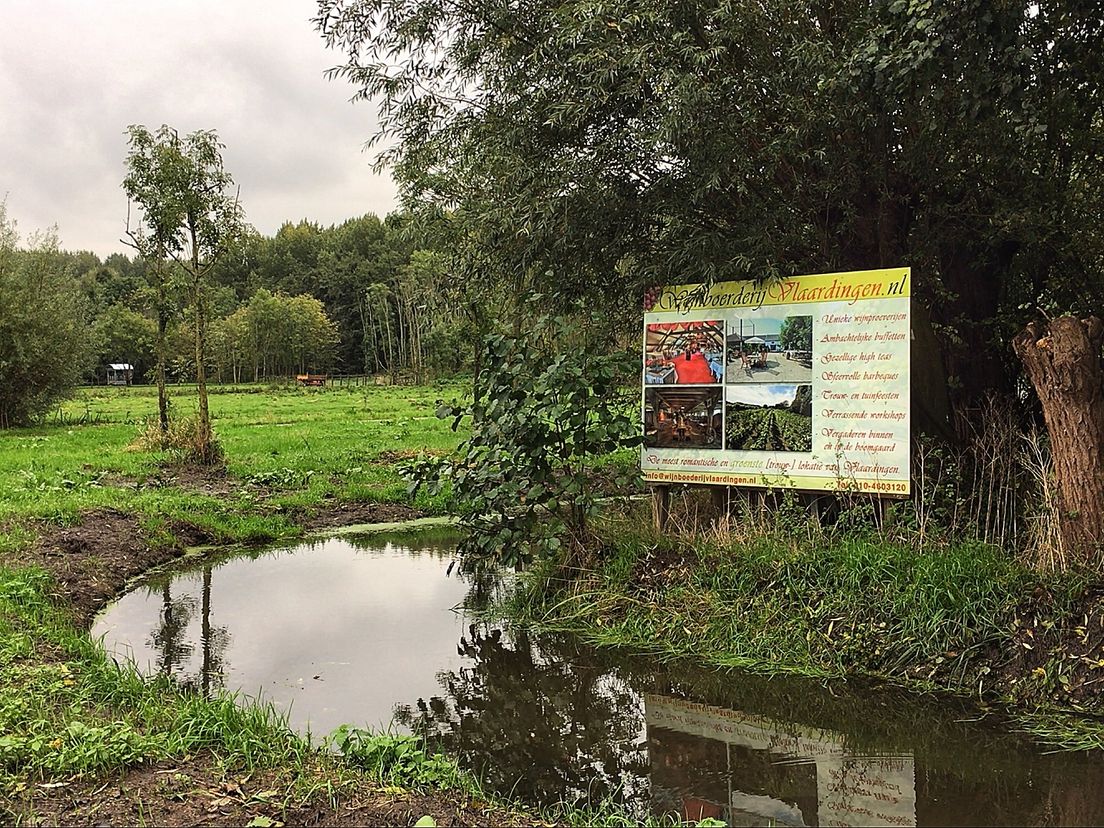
x: 684, y: 353
x: 768, y: 349
x: 683, y: 418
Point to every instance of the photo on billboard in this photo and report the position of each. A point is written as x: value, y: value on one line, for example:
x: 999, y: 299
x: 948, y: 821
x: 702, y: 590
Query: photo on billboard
x: 770, y: 349
x: 684, y: 353
x: 764, y: 417
x: 683, y: 417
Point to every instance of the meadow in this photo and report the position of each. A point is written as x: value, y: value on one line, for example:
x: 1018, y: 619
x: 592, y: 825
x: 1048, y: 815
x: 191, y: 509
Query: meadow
x: 288, y: 451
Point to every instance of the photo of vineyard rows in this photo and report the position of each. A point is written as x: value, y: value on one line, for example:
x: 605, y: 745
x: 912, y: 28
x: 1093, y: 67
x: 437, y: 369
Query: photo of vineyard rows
x: 785, y: 425
x: 767, y: 429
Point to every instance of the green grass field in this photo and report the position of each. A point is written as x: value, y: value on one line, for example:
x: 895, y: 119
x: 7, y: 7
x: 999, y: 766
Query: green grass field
x: 70, y: 716
x: 298, y: 447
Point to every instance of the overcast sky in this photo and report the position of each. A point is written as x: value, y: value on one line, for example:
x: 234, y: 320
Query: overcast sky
x: 75, y: 73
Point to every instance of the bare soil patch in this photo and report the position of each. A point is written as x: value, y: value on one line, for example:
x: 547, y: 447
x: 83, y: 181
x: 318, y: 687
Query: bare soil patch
x: 208, y: 480
x: 394, y: 456
x: 197, y: 792
x: 92, y: 562
x: 335, y: 515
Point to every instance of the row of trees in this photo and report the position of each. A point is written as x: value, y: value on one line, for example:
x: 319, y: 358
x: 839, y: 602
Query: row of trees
x: 359, y: 297
x: 385, y: 304
x: 270, y: 335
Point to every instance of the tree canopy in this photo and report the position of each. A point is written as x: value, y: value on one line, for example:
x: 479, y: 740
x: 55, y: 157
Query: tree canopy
x: 607, y: 145
x: 190, y: 212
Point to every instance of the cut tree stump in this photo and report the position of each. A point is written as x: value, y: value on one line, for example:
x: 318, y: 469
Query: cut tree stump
x: 1063, y: 362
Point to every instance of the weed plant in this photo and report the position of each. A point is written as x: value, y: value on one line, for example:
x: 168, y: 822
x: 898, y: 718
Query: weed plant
x: 179, y: 442
x: 997, y: 488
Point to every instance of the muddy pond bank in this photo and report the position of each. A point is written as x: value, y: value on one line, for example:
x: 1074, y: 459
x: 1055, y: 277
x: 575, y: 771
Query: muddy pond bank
x: 93, y: 561
x: 358, y: 629
x: 54, y: 682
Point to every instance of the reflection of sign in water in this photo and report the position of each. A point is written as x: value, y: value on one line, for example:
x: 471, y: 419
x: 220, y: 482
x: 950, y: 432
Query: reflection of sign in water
x: 866, y: 790
x: 761, y: 753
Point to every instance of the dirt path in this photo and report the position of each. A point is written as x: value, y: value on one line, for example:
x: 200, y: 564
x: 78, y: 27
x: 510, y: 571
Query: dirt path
x: 198, y: 793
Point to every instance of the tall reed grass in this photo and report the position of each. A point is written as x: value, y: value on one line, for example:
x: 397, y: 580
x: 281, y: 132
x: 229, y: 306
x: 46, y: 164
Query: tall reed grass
x: 997, y: 487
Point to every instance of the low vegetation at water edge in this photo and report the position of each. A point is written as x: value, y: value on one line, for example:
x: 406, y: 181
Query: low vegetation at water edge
x: 848, y: 601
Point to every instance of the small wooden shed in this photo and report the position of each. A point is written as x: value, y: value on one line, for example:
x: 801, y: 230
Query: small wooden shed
x: 120, y: 373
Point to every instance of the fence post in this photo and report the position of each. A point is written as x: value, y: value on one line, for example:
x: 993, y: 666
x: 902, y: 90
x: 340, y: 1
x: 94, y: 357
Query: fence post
x: 720, y: 502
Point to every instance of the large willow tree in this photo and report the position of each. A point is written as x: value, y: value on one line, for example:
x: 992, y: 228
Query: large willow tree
x: 596, y: 145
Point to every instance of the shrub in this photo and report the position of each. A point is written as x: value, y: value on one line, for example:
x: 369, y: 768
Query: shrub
x: 45, y: 345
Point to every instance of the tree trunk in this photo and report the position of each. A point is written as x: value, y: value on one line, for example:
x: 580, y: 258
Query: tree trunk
x: 204, y: 441
x: 169, y: 652
x: 205, y: 669
x: 390, y: 343
x: 1063, y: 362
x: 162, y: 328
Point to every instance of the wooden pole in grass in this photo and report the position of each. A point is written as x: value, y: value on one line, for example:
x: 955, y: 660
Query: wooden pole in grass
x: 661, y: 506
x: 720, y: 502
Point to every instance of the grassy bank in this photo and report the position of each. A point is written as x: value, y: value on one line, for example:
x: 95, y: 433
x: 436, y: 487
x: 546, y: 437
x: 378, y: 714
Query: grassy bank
x: 789, y: 598
x: 85, y: 740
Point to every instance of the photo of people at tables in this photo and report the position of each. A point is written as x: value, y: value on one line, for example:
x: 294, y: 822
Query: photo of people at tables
x: 683, y: 417
x: 684, y: 353
x: 765, y: 349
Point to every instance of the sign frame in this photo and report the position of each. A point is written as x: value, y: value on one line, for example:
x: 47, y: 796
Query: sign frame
x: 722, y: 407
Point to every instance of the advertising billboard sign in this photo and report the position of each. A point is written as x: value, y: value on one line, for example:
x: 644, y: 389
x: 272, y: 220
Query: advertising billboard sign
x: 801, y: 383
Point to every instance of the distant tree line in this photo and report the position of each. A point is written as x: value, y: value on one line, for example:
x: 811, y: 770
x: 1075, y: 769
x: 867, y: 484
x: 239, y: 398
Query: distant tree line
x: 358, y: 297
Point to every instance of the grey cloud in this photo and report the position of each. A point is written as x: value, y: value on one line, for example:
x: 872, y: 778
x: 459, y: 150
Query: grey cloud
x: 74, y: 74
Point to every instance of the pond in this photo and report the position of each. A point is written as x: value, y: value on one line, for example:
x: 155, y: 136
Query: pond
x: 370, y: 630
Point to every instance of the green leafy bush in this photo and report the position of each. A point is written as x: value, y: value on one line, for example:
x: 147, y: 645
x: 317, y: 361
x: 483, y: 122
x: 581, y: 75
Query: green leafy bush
x: 45, y: 345
x: 396, y: 759
x: 542, y: 415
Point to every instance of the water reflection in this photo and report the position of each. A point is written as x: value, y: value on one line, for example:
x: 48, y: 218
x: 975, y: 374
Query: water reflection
x: 330, y: 632
x: 545, y: 728
x: 355, y: 630
x: 169, y: 639
x: 775, y: 772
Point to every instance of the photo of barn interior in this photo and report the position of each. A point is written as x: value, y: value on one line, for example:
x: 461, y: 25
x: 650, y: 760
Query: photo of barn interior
x: 684, y: 353
x: 683, y: 418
